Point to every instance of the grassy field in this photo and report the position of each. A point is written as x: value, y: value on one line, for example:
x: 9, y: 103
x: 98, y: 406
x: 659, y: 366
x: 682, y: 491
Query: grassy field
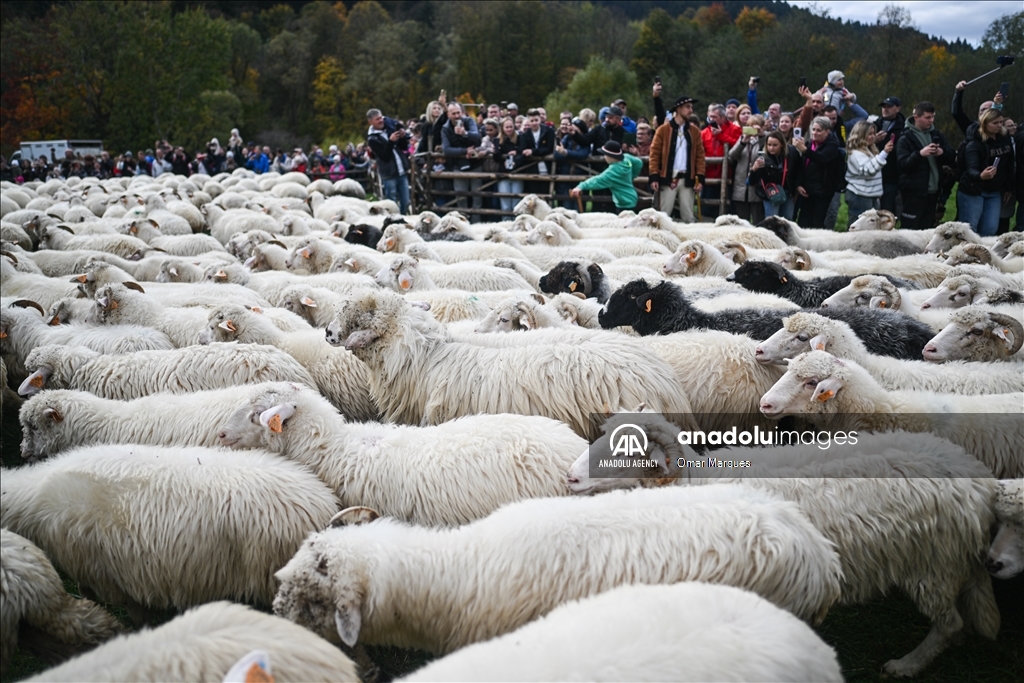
x: 865, y: 636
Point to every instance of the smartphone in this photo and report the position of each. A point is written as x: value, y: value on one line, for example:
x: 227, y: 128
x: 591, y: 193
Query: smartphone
x: 756, y: 79
x: 995, y: 162
x: 798, y: 132
x: 1004, y: 89
x: 441, y: 96
x: 803, y: 81
x: 749, y: 131
x: 761, y: 154
x: 657, y: 80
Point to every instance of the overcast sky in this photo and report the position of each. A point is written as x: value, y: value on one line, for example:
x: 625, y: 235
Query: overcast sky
x: 966, y: 19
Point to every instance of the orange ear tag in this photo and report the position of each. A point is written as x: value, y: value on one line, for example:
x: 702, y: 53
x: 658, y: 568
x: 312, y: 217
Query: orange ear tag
x: 37, y: 381
x: 820, y: 346
x: 113, y: 304
x: 275, y: 424
x: 647, y: 306
x: 826, y: 395
x: 784, y: 279
x: 572, y: 286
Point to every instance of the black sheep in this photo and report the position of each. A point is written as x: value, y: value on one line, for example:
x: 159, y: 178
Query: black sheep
x: 367, y: 235
x: 577, y: 277
x: 664, y: 309
x: 771, y: 278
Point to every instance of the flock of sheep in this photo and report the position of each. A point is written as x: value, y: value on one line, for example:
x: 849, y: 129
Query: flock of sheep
x: 265, y: 390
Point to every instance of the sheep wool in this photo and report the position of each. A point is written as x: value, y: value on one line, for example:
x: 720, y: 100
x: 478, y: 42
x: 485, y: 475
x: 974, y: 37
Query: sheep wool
x: 203, y: 645
x: 31, y: 592
x: 384, y: 582
x: 167, y: 527
x: 634, y: 633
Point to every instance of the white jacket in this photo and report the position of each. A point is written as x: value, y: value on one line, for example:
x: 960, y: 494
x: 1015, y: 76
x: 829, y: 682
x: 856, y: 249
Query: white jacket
x: 864, y: 173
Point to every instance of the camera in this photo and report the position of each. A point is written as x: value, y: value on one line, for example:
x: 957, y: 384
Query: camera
x: 756, y: 79
x: 1005, y: 60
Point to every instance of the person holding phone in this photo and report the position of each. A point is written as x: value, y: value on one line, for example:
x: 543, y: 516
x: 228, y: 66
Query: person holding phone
x: 746, y: 203
x: 460, y: 140
x: 864, y: 165
x: 989, y: 174
x: 718, y: 137
x: 922, y: 153
x: 776, y: 167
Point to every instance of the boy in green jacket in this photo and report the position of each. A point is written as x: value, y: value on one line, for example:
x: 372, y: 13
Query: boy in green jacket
x: 618, y: 177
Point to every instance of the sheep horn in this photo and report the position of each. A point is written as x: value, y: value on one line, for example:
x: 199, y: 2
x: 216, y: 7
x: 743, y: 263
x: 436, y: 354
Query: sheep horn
x: 353, y: 515
x: 28, y: 303
x: 1015, y: 327
x: 134, y: 285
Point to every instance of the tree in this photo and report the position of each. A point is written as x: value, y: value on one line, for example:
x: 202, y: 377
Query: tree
x: 712, y: 18
x: 753, y: 22
x: 597, y: 85
x: 328, y: 99
x: 1005, y: 35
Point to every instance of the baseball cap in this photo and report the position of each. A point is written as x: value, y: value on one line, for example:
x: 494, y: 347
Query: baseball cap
x: 890, y: 102
x: 732, y: 100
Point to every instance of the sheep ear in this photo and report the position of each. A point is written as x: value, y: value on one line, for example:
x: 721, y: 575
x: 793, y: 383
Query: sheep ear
x: 879, y: 302
x: 305, y: 252
x: 640, y: 408
x: 784, y: 279
x: 134, y: 285
x: 352, y: 516
x: 80, y: 278
x: 53, y: 414
x: 274, y: 418
x: 800, y: 261
x: 228, y: 325
x: 405, y: 280
x: 348, y: 620
x: 1006, y: 334
x: 524, y: 320
x: 360, y: 339
x: 174, y: 271
x: 818, y: 343
x: 538, y: 298
x: 422, y: 305
x: 826, y: 389
x: 308, y: 302
x: 255, y: 309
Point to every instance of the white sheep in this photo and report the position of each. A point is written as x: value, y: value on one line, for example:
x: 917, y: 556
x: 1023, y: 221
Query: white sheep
x: 178, y: 371
x: 63, y: 238
x: 620, y: 245
x: 830, y: 392
x: 1006, y: 555
x: 964, y: 290
x: 406, y: 274
x: 44, y: 290
x: 397, y: 238
x: 176, y: 245
x: 905, y: 510
x: 694, y: 257
x: 206, y: 643
x: 357, y: 258
x: 388, y: 583
x: 58, y: 420
x: 977, y: 334
x: 23, y: 329
x: 153, y: 527
x: 446, y: 475
x: 419, y: 375
x: 337, y: 373
x: 33, y: 593
x: 948, y: 235
x: 179, y: 270
x: 921, y: 268
x: 969, y: 252
x: 271, y: 285
x: 802, y: 332
x: 634, y: 632
x: 744, y: 233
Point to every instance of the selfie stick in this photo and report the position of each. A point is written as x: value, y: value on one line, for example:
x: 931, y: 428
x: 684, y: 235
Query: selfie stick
x: 989, y: 73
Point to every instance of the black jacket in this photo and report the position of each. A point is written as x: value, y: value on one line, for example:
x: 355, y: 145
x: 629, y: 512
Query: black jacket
x: 913, y: 167
x: 979, y: 155
x: 455, y: 146
x: 895, y: 128
x: 545, y: 147
x: 384, y: 150
x: 957, y: 110
x: 771, y: 172
x: 818, y: 177
x: 598, y: 135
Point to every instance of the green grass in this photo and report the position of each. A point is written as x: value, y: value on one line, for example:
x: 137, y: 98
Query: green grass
x: 950, y: 213
x: 865, y: 636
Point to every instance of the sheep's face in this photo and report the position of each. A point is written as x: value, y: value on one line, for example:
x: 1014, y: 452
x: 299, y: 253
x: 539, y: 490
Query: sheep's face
x: 872, y: 291
x: 226, y: 273
x: 627, y: 304
x: 793, y: 258
x: 363, y: 319
x: 1006, y: 554
x: 299, y: 301
x: 400, y: 276
x: 761, y: 276
x: 61, y: 313
x: 524, y: 223
x: 568, y: 277
x: 977, y: 335
x: 263, y: 420
x: 952, y: 293
x: 370, y: 236
x: 874, y: 219
x: 947, y: 236
x: 968, y: 253
x: 301, y: 257
x: 787, y: 343
x: 111, y: 305
x: 427, y: 222
x: 1006, y: 243
x: 168, y: 272
x: 647, y: 218
x: 810, y: 385
x: 526, y: 205
x: 390, y: 240
x: 687, y: 256
x: 225, y: 324
x: 322, y: 588
x: 43, y: 427
x: 511, y: 316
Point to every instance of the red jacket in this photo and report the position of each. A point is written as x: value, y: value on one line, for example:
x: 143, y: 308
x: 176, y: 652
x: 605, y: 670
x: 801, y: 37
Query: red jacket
x: 718, y: 145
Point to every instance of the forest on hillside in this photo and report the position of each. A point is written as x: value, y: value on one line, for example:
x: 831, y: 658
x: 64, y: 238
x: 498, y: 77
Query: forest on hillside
x: 294, y: 72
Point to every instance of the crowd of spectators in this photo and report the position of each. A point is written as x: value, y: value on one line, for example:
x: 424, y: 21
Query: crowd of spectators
x: 801, y: 163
